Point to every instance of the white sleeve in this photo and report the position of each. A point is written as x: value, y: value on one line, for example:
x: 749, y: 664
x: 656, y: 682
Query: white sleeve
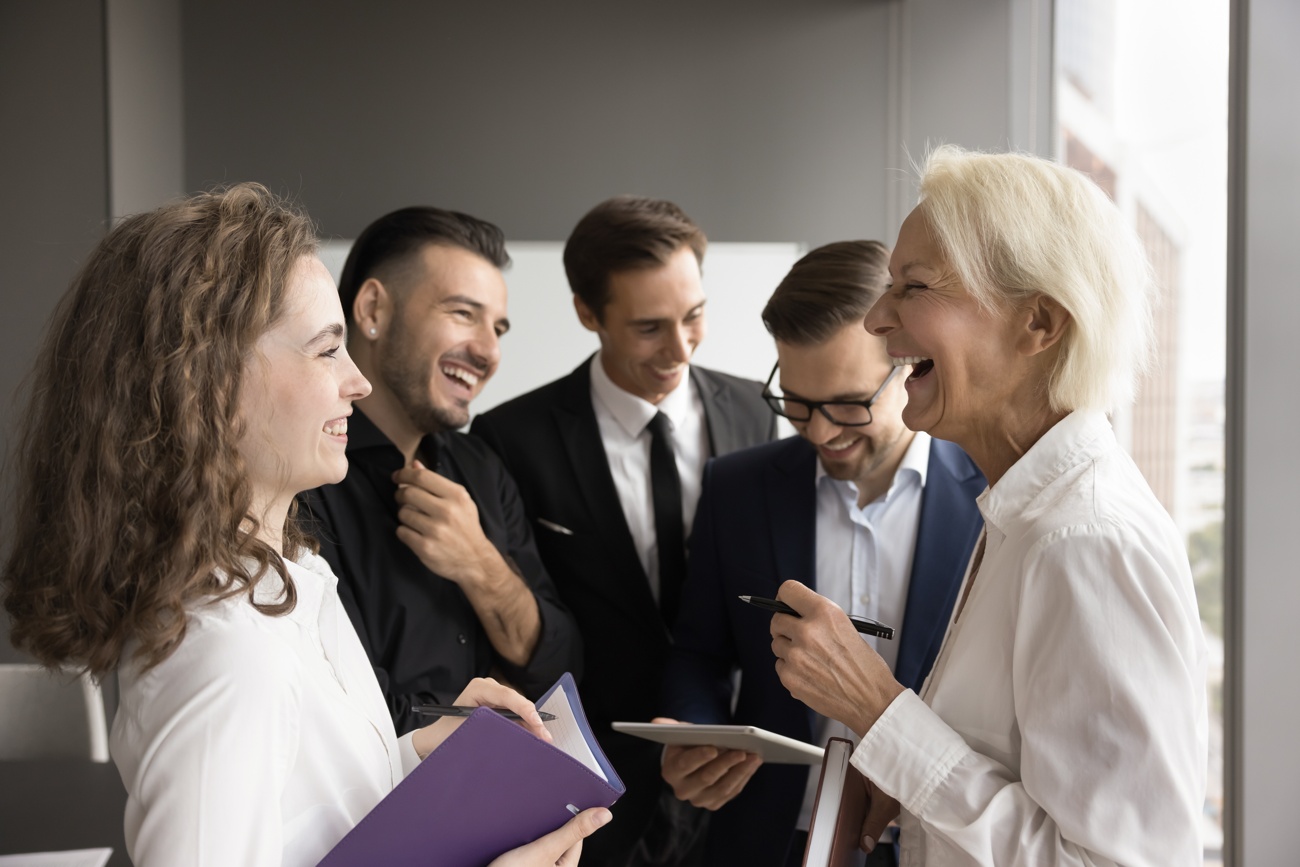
x: 216, y: 742
x: 1108, y: 678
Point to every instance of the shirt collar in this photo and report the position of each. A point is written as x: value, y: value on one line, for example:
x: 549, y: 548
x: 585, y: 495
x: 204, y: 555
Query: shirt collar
x: 1076, y: 439
x: 633, y: 413
x: 914, y: 465
x: 365, y: 435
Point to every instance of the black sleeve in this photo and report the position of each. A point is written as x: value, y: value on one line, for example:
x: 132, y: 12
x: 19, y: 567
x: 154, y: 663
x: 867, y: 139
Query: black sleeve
x: 559, y: 646
x: 315, y: 516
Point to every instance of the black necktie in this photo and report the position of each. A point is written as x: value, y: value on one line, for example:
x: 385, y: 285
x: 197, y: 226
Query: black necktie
x: 666, y: 492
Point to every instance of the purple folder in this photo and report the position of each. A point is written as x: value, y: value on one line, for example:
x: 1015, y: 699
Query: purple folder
x: 490, y: 787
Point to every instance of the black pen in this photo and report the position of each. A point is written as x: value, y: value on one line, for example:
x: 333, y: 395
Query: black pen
x: 463, y: 710
x: 864, y: 625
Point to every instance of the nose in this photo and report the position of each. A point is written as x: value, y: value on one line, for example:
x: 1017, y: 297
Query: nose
x: 820, y: 430
x: 353, y: 385
x: 680, y: 343
x: 882, y: 318
x: 486, y: 347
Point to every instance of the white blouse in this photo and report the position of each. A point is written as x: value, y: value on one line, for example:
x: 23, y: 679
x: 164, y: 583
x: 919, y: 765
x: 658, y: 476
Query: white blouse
x: 1064, y: 721
x: 261, y: 740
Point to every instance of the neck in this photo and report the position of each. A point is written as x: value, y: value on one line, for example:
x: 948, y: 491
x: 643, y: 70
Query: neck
x: 271, y: 519
x: 384, y: 410
x: 875, y: 482
x: 997, y: 448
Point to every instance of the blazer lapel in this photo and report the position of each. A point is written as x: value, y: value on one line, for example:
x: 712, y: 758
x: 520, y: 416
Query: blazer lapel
x: 575, y: 420
x: 792, y: 513
x: 717, y: 413
x: 944, y: 539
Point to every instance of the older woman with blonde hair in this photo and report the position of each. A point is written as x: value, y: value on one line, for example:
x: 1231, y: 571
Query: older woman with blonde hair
x: 193, y: 381
x: 1064, y: 721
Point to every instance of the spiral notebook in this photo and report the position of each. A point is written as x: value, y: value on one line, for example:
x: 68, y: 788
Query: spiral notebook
x: 490, y: 787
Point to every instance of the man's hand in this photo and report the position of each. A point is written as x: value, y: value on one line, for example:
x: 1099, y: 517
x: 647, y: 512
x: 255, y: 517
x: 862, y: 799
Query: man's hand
x: 706, y: 776
x: 826, y: 665
x: 439, y: 522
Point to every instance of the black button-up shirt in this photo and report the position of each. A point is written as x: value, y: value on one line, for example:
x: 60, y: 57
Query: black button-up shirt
x: 419, y: 630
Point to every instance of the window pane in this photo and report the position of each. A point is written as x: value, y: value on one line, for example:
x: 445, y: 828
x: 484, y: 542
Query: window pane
x: 1142, y: 106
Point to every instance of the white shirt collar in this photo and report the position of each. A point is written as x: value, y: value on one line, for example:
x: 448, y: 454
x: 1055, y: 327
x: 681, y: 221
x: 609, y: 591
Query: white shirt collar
x: 1075, y: 439
x: 915, y: 464
x: 633, y: 413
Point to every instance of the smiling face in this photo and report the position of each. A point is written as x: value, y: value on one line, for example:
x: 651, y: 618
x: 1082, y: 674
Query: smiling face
x: 851, y: 365
x: 966, y: 367
x: 297, y: 392
x: 443, y: 343
x: 650, y: 326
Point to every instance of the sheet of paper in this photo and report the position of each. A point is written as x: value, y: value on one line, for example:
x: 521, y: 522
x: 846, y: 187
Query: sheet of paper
x: 564, y: 729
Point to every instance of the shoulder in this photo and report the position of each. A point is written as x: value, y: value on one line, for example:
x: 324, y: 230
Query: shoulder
x: 788, y: 453
x: 748, y: 388
x: 232, y: 657
x: 954, y: 460
x: 533, y: 403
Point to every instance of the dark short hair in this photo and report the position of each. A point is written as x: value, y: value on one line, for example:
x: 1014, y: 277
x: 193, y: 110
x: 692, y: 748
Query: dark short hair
x: 831, y: 287
x: 389, y: 242
x: 625, y: 233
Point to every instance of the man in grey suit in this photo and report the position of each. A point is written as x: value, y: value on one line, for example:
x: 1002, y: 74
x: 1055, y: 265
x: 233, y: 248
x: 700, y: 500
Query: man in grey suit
x: 608, y: 460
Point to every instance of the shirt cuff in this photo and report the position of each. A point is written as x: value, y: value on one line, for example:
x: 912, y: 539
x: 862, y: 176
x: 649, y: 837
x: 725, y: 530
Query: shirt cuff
x: 406, y: 748
x: 909, y: 752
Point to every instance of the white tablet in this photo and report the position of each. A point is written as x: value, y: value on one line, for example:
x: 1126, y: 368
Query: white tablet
x: 775, y: 749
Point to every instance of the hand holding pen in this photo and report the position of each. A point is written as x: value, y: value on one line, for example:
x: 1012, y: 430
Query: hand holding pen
x: 865, y: 625
x: 823, y: 662
x: 480, y: 692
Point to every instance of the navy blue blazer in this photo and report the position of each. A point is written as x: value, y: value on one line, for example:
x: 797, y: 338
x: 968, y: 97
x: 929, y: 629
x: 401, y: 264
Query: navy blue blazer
x: 755, y: 527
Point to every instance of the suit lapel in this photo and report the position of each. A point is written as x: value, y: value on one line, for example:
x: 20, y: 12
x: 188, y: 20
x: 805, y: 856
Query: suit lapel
x: 944, y: 538
x: 717, y: 413
x: 792, y: 513
x: 575, y: 420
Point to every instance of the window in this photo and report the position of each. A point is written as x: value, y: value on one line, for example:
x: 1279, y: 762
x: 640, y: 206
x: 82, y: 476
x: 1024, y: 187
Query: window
x: 1141, y: 95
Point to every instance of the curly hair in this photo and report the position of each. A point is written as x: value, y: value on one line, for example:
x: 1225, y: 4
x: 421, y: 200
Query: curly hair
x: 132, y: 501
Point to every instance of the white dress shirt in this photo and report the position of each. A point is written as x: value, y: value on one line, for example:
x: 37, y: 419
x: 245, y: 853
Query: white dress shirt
x: 622, y: 418
x: 260, y: 740
x: 1064, y: 721
x: 864, y: 563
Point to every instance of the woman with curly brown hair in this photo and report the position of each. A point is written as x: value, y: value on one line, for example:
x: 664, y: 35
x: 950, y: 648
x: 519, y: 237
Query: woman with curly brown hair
x: 193, y: 381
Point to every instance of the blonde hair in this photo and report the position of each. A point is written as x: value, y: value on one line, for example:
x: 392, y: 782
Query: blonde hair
x: 1013, y: 226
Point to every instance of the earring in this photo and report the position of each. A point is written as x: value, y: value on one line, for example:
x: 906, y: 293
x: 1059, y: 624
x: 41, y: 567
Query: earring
x: 373, y: 332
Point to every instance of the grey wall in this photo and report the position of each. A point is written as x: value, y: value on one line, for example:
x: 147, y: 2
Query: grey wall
x: 766, y: 120
x: 1263, y: 417
x: 53, y: 177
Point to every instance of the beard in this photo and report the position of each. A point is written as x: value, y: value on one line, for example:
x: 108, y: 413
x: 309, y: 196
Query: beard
x: 408, y: 373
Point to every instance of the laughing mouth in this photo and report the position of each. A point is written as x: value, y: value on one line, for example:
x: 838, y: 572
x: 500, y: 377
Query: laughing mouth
x: 337, y: 428
x: 461, y: 375
x: 920, y: 365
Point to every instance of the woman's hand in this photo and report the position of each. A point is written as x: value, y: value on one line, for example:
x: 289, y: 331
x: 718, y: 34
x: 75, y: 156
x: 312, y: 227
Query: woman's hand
x: 481, y: 692
x: 825, y: 664
x: 560, y: 848
x: 881, y: 810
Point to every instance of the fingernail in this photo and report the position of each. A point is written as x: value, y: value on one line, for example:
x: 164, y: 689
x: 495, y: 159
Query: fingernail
x: 603, y: 817
x: 867, y: 843
x: 416, y: 463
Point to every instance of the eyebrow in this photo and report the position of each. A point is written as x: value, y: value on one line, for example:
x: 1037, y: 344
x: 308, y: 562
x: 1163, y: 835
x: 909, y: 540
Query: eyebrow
x: 839, y: 398
x: 503, y: 322
x: 658, y: 319
x: 334, y: 329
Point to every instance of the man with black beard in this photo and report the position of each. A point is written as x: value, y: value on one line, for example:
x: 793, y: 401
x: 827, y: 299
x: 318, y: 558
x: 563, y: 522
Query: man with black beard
x: 436, y: 561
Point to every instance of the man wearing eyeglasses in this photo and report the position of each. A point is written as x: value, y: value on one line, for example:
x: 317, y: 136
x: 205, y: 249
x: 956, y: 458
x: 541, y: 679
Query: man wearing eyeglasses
x: 877, y: 518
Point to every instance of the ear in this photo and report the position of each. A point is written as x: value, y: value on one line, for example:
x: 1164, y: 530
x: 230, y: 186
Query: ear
x: 1045, y: 322
x: 371, y: 309
x: 586, y: 316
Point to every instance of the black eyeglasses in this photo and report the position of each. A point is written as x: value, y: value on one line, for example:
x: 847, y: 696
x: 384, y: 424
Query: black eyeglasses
x: 846, y: 413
